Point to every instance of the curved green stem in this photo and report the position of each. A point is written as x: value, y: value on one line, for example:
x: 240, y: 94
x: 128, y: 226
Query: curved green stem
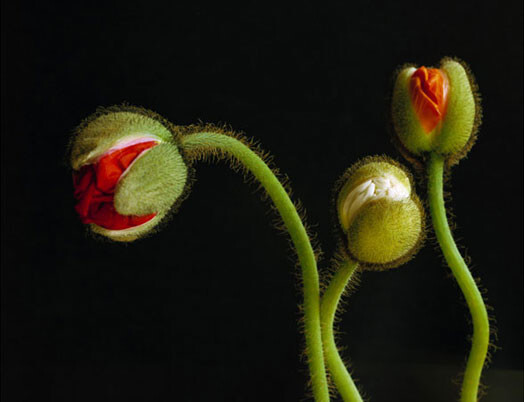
x: 210, y: 142
x: 479, y: 315
x: 328, y: 308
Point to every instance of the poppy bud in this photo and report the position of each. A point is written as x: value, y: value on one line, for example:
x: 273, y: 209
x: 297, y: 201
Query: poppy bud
x: 128, y: 171
x: 436, y: 110
x: 379, y: 213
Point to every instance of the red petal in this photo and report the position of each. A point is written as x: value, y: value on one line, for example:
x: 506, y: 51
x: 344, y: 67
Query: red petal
x: 95, y: 186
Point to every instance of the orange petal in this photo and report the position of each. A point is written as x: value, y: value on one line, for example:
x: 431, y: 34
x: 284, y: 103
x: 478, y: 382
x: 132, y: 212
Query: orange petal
x: 429, y: 96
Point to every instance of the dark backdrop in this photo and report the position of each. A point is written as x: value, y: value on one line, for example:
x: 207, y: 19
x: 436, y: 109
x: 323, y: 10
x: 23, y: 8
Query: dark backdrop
x: 206, y: 310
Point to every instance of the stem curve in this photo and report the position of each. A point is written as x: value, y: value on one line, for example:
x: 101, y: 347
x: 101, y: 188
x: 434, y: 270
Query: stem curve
x: 207, y: 142
x: 328, y: 308
x: 466, y: 282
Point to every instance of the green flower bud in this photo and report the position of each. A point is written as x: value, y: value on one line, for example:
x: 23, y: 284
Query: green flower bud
x: 436, y: 110
x: 128, y: 171
x: 380, y: 215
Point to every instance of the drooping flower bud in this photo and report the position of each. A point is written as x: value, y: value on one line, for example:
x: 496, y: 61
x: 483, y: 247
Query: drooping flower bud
x: 380, y: 215
x: 128, y: 171
x: 436, y: 110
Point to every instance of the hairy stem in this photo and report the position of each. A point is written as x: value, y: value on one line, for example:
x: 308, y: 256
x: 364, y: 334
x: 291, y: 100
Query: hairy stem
x: 328, y: 308
x: 479, y: 315
x: 210, y: 142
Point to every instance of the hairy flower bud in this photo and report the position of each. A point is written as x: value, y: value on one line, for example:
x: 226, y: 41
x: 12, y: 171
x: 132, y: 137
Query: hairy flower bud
x: 379, y: 213
x: 436, y: 110
x: 128, y: 171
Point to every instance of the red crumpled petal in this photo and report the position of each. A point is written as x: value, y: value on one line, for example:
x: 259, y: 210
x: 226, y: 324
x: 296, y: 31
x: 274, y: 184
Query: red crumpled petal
x: 95, y: 187
x: 429, y: 96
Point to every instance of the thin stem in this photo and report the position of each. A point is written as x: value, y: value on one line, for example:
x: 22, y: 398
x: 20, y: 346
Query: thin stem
x: 210, y: 142
x: 328, y: 308
x: 479, y: 315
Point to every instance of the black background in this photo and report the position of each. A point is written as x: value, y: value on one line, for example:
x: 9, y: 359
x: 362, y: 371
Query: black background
x: 206, y: 310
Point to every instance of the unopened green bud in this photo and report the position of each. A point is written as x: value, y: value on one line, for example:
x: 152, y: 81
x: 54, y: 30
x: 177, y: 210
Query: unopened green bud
x: 379, y: 213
